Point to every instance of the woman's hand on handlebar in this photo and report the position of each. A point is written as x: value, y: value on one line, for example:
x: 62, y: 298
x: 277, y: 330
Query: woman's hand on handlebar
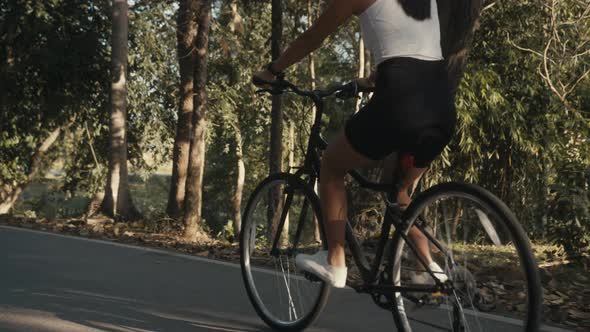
x: 365, y: 84
x: 259, y: 78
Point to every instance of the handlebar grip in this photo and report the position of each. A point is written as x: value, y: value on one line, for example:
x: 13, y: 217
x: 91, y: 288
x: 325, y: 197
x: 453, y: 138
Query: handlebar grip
x: 366, y: 89
x: 348, y: 91
x: 259, y: 81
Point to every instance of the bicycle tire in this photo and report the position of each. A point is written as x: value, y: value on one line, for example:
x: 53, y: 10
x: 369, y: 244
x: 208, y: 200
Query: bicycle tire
x: 521, y: 242
x: 245, y: 240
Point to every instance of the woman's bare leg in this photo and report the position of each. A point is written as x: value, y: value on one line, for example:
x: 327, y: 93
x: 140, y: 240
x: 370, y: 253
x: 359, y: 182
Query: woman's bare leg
x: 337, y: 160
x: 419, y: 239
x: 421, y: 243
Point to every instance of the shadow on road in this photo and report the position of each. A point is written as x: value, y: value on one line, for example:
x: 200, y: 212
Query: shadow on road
x: 39, y: 309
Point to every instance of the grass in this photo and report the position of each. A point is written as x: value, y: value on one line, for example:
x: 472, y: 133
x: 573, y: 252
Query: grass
x: 43, y: 198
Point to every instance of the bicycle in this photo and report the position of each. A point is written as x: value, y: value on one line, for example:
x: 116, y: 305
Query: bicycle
x: 281, y: 220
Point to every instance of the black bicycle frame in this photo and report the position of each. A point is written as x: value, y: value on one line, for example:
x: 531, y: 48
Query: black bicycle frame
x: 369, y: 272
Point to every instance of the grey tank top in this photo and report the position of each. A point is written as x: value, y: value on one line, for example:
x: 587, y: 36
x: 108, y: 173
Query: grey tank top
x: 389, y: 32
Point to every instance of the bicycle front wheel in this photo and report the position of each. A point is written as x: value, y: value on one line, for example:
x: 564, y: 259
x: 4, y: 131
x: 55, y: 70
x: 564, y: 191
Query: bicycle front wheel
x: 285, y: 299
x: 493, y: 281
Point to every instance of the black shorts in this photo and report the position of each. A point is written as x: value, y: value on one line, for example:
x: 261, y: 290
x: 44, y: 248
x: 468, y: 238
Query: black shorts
x: 412, y: 112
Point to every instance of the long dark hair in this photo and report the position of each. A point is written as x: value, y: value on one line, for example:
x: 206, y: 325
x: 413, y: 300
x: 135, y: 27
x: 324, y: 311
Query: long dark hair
x: 417, y: 9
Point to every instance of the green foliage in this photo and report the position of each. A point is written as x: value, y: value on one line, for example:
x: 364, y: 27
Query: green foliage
x: 227, y: 232
x: 153, y: 86
x: 515, y: 136
x: 569, y: 218
x: 234, y: 56
x: 55, y: 70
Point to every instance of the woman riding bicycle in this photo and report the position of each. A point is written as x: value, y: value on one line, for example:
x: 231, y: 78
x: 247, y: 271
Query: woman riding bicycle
x: 411, y: 111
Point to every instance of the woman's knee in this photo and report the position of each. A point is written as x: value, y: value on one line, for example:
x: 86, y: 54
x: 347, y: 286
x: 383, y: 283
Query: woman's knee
x: 416, y: 235
x: 330, y: 166
x: 340, y: 157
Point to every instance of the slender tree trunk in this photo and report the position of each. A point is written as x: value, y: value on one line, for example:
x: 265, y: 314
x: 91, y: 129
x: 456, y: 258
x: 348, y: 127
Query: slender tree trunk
x: 276, y: 130
x: 185, y: 36
x: 456, y: 220
x: 94, y: 205
x: 312, y: 77
x: 368, y: 68
x: 237, y: 199
x: 506, y: 180
x: 546, y: 191
x: 194, y: 187
x: 291, y: 156
x: 290, y: 164
x: 310, y: 18
x: 9, y: 194
x: 361, y: 72
x: 236, y: 21
x: 276, y: 124
x: 117, y: 201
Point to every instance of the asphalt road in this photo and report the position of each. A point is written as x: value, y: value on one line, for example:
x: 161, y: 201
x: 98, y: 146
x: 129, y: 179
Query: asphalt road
x: 52, y: 282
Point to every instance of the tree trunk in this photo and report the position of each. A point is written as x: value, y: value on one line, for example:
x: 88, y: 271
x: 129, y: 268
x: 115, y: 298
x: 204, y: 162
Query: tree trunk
x: 506, y: 178
x: 9, y: 194
x: 456, y: 220
x: 361, y: 72
x: 236, y: 24
x: 237, y: 199
x: 117, y: 201
x: 544, y: 206
x: 185, y: 36
x: 290, y: 164
x: 276, y: 127
x: 310, y: 19
x: 276, y: 124
x: 194, y: 187
x: 368, y: 69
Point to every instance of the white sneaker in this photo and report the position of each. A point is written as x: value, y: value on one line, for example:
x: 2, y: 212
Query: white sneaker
x: 317, y: 264
x: 424, y: 278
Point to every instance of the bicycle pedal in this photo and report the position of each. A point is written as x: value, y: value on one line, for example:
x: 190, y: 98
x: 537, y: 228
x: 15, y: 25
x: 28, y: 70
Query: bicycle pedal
x: 431, y: 301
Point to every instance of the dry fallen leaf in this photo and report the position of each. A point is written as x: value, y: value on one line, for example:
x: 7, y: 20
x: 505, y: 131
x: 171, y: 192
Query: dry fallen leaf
x: 579, y: 314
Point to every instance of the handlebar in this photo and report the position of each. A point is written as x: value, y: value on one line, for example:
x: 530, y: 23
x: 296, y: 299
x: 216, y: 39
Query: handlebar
x: 341, y: 91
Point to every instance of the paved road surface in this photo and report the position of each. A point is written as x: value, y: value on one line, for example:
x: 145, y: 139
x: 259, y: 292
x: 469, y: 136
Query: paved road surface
x: 53, y: 282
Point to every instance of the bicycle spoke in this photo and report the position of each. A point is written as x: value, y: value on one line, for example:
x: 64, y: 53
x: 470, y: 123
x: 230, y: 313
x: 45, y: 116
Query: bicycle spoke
x: 287, y: 280
x: 449, y: 313
x: 278, y: 283
x: 480, y: 244
x: 283, y: 298
x: 459, y: 308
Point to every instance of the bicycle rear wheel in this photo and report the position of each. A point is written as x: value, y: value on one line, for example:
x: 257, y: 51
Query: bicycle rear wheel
x: 493, y: 276
x: 285, y: 299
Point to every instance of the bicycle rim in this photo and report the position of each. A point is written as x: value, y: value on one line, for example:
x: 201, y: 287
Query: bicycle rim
x: 283, y: 297
x: 486, y: 256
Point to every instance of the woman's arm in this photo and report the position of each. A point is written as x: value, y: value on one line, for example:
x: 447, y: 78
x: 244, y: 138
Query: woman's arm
x: 337, y: 12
